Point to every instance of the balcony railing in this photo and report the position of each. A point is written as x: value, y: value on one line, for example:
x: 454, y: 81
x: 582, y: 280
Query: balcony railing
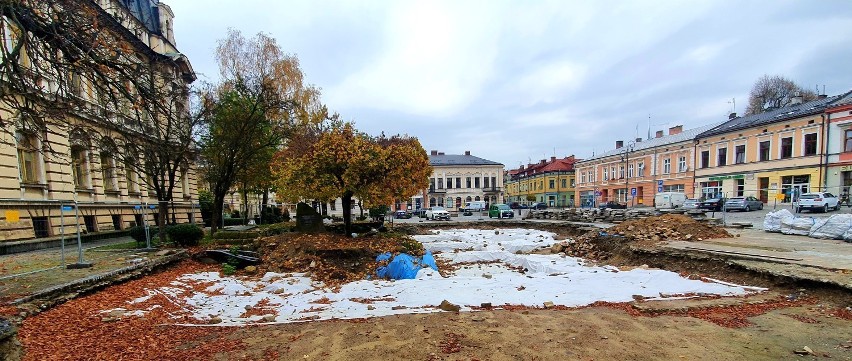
x: 434, y: 190
x: 492, y: 189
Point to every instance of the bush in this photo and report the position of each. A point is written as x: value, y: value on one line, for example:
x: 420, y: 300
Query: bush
x: 138, y: 233
x: 235, y: 235
x: 186, y: 234
x: 413, y: 247
x: 232, y: 222
x: 228, y: 269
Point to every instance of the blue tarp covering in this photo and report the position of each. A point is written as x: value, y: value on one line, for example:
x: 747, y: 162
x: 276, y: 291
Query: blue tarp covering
x: 404, y: 266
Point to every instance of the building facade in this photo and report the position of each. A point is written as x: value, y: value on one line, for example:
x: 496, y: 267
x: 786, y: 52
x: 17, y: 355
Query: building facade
x: 773, y: 155
x: 635, y: 171
x: 549, y: 181
x: 838, y: 135
x: 36, y: 184
x: 459, y: 178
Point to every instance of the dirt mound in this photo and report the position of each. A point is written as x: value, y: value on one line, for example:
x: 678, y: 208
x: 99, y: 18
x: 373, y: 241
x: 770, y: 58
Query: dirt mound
x: 649, y: 231
x: 330, y: 258
x: 669, y: 227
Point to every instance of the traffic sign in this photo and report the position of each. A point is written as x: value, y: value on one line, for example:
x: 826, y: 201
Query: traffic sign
x: 137, y: 207
x: 659, y: 188
x: 659, y: 183
x: 597, y: 193
x: 633, y: 192
x: 67, y: 208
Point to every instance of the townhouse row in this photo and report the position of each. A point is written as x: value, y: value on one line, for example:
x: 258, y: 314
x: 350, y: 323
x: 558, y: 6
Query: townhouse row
x: 803, y: 147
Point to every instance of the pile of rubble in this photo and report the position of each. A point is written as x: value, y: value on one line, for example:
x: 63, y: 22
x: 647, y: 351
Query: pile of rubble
x: 608, y: 215
x: 644, y: 231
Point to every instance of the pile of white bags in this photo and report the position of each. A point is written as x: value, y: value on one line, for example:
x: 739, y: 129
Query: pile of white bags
x: 772, y: 222
x: 833, y: 228
x: 798, y: 225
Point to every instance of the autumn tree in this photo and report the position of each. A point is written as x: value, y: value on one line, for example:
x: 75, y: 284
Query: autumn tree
x: 71, y: 67
x: 339, y: 161
x: 261, y: 100
x: 772, y: 92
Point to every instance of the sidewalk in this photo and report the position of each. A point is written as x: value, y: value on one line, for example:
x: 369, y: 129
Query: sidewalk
x: 24, y: 275
x: 818, y: 260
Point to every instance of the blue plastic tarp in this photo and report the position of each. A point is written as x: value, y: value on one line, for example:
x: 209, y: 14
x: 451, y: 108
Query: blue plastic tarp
x: 404, y: 266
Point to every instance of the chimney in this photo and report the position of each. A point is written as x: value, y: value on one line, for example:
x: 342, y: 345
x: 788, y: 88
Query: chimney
x: 675, y: 129
x: 522, y: 167
x: 797, y: 99
x: 638, y: 140
x: 732, y: 116
x: 822, y: 96
x: 552, y: 159
x: 467, y: 152
x: 659, y: 134
x: 543, y: 161
x: 434, y: 152
x: 619, y: 144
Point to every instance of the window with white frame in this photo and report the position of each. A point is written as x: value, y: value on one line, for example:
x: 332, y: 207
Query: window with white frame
x: 79, y: 167
x: 28, y: 157
x: 630, y: 170
x: 641, y: 169
x: 681, y: 164
x: 605, y: 175
x: 621, y: 172
x: 612, y: 172
x: 667, y: 166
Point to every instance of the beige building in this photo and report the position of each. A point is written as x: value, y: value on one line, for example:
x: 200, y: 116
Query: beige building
x: 775, y: 153
x: 82, y: 168
x: 459, y: 178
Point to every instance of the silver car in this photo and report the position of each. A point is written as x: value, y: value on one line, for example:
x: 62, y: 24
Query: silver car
x: 690, y: 204
x: 743, y: 204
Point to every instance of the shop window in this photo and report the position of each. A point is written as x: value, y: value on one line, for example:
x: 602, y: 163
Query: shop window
x: 764, y: 151
x: 740, y: 187
x: 811, y: 144
x: 739, y: 154
x: 786, y: 147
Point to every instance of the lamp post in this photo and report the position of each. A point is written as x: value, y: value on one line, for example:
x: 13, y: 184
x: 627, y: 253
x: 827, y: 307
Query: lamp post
x: 625, y: 156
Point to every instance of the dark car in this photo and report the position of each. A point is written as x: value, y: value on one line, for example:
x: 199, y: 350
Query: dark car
x: 401, y: 215
x: 612, y: 205
x: 516, y: 205
x: 712, y: 204
x: 538, y: 205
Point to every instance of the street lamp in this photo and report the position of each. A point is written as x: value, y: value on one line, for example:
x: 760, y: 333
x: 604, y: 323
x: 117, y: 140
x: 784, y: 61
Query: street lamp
x: 625, y: 157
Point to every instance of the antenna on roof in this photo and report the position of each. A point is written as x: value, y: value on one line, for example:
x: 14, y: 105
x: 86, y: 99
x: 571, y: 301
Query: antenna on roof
x: 733, y: 103
x: 649, y: 127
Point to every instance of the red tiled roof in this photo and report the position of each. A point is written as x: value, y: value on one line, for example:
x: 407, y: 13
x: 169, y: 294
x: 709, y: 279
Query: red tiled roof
x: 554, y: 165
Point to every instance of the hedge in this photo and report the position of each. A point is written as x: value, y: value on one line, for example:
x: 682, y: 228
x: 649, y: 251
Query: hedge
x: 185, y: 235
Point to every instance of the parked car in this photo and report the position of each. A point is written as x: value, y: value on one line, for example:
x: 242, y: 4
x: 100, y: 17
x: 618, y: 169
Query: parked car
x: 612, y: 205
x: 712, y: 204
x: 474, y: 206
x: 743, y: 204
x: 669, y: 200
x: 401, y: 215
x: 538, y: 205
x: 420, y: 212
x: 819, y: 201
x: 516, y: 205
x: 690, y: 204
x: 500, y: 211
x: 435, y: 213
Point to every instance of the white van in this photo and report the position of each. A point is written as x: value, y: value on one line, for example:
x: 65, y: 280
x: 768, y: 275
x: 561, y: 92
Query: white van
x: 669, y: 200
x: 475, y: 206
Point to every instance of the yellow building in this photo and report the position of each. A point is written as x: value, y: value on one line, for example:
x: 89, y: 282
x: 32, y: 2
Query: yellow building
x: 777, y: 153
x: 550, y: 182
x: 67, y: 162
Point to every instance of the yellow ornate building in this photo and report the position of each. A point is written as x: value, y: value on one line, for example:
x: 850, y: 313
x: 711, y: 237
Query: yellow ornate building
x: 551, y: 182
x: 35, y: 184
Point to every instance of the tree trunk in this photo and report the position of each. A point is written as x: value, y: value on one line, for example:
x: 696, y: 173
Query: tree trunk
x: 163, y: 217
x: 347, y: 213
x: 246, y: 207
x: 216, y: 217
x: 361, y: 207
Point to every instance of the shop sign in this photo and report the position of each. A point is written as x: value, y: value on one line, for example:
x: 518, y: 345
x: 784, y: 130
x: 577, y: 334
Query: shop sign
x: 846, y: 168
x: 738, y: 176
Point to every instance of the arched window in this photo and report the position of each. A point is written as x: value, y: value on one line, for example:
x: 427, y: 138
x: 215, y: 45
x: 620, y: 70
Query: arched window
x: 28, y: 161
x: 476, y: 199
x: 432, y: 202
x: 80, y: 160
x: 458, y: 202
x: 468, y: 199
x: 449, y: 202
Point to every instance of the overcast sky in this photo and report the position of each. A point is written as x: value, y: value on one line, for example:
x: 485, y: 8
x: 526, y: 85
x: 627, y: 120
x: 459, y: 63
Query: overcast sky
x: 514, y: 81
